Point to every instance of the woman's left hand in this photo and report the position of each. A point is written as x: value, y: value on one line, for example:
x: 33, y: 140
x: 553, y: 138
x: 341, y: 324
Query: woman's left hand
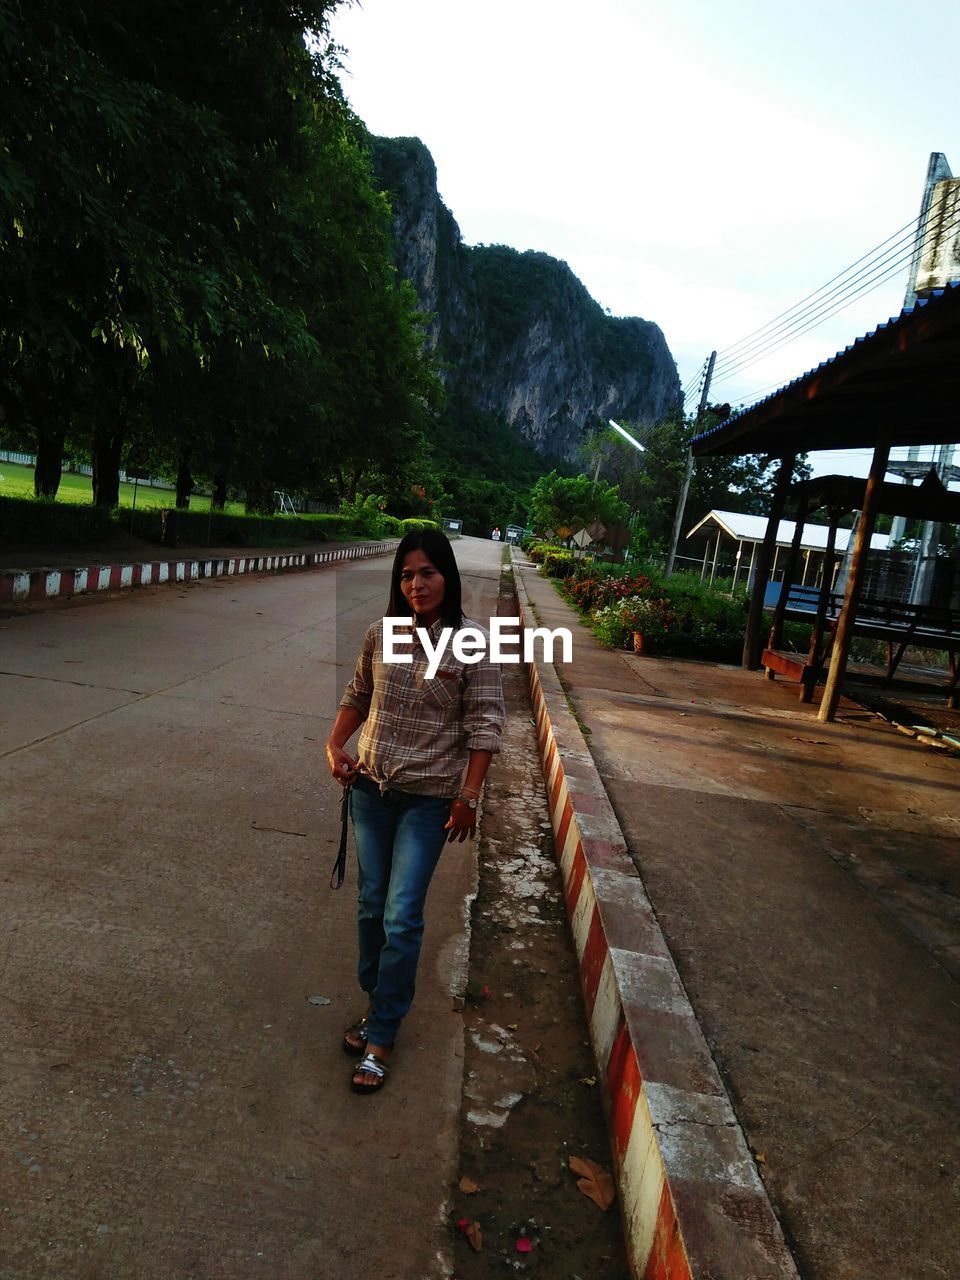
x: 461, y: 823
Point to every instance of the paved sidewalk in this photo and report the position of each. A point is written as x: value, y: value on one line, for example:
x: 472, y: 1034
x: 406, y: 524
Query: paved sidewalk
x: 807, y: 880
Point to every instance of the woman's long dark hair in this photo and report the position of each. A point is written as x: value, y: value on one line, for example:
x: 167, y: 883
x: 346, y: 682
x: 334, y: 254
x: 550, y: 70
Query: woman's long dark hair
x: 436, y: 547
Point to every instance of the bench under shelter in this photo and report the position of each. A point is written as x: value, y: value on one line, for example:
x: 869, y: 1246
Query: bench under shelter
x: 899, y: 385
x: 897, y: 622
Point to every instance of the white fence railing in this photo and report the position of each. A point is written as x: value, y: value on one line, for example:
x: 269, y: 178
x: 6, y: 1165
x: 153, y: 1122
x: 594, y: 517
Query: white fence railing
x: 292, y: 506
x: 82, y: 469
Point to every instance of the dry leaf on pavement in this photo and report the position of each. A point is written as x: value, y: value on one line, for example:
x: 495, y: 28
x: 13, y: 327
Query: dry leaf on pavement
x: 472, y: 1232
x: 468, y: 1186
x: 594, y: 1181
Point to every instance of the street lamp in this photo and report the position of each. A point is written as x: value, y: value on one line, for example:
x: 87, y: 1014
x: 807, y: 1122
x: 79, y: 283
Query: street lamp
x: 627, y: 436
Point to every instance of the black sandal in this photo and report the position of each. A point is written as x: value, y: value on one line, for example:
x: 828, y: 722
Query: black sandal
x: 358, y: 1029
x: 373, y: 1067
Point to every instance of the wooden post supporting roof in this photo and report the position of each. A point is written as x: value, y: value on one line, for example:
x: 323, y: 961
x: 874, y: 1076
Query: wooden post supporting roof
x: 823, y: 601
x: 851, y: 601
x: 753, y: 639
x: 789, y: 573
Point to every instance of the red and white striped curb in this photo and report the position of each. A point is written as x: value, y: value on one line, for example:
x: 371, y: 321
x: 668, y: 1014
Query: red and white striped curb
x: 53, y: 584
x: 693, y: 1205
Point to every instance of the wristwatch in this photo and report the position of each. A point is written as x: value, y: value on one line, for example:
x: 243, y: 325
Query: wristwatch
x: 470, y: 801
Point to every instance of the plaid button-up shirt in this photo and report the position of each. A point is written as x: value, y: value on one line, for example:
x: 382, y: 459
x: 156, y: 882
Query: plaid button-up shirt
x: 416, y: 731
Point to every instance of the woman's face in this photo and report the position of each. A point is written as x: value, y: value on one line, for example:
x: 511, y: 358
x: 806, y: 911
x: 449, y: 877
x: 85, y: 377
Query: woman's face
x: 422, y: 585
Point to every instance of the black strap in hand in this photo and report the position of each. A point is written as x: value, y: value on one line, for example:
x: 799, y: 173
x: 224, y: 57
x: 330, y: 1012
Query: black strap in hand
x: 340, y: 866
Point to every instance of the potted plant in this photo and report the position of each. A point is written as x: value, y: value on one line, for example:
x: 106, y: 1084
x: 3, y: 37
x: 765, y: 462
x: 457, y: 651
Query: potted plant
x: 646, y: 620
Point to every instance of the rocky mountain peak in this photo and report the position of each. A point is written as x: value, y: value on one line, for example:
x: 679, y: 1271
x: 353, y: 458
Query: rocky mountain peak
x: 518, y: 334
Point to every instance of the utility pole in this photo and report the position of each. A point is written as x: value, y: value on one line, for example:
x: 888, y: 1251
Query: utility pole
x: 937, y: 170
x: 688, y: 472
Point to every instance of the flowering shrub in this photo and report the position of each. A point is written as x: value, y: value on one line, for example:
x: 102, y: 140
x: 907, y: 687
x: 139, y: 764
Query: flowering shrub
x: 593, y: 586
x: 609, y: 629
x: 586, y: 592
x: 558, y: 564
x: 679, y: 616
x: 653, y: 616
x: 637, y: 584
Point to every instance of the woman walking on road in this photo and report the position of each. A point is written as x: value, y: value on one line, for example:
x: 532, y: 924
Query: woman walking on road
x: 410, y: 795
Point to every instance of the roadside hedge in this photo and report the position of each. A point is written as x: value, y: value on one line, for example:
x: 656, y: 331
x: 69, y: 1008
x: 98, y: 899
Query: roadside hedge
x: 409, y: 523
x: 43, y: 523
x: 219, y: 529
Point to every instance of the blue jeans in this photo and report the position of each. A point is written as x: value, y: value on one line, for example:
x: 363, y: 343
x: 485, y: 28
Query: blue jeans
x: 399, y: 838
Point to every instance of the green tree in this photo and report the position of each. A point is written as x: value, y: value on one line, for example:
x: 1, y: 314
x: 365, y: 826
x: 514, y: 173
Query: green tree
x: 193, y: 250
x: 571, y: 502
x: 122, y: 220
x: 651, y: 482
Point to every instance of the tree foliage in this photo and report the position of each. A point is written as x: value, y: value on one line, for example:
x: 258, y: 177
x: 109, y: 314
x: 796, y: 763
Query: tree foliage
x: 485, y: 466
x: 572, y: 502
x: 195, y: 261
x: 650, y: 482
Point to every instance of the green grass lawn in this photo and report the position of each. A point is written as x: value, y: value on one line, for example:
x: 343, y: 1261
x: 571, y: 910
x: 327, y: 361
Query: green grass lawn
x: 17, y: 482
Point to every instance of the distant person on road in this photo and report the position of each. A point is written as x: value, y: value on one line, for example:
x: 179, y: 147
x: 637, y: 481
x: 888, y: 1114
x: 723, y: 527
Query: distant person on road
x: 410, y: 795
x: 496, y: 534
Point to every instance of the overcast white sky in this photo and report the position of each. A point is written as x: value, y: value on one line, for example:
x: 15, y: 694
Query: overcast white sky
x: 703, y: 165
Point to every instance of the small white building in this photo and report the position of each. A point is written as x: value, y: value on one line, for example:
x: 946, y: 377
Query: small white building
x: 731, y: 540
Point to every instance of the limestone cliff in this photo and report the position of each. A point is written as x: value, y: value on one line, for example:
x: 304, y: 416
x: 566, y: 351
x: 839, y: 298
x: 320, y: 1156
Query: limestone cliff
x: 518, y: 334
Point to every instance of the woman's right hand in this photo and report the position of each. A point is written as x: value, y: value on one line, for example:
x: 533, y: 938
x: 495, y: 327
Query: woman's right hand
x: 342, y: 766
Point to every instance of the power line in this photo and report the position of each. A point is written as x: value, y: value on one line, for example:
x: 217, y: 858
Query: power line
x: 668, y: 418
x: 758, y: 395
x: 721, y: 355
x: 853, y: 288
x: 825, y: 307
x: 828, y: 305
x: 867, y: 287
x: 788, y: 325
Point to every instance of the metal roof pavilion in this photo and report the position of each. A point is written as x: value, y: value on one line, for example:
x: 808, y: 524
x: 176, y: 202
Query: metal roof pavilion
x: 747, y: 528
x: 900, y: 383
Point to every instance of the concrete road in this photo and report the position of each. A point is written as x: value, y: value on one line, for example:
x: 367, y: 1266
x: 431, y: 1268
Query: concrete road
x: 172, y: 1101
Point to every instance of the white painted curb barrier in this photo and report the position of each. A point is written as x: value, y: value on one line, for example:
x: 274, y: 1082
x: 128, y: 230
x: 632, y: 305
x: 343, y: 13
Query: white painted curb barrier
x: 53, y: 584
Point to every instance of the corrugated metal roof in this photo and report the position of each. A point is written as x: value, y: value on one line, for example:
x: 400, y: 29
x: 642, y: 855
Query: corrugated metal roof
x: 747, y: 528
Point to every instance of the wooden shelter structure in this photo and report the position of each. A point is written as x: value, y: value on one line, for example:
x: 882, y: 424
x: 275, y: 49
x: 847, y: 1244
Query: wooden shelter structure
x: 745, y: 532
x: 899, y: 385
x: 897, y: 623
